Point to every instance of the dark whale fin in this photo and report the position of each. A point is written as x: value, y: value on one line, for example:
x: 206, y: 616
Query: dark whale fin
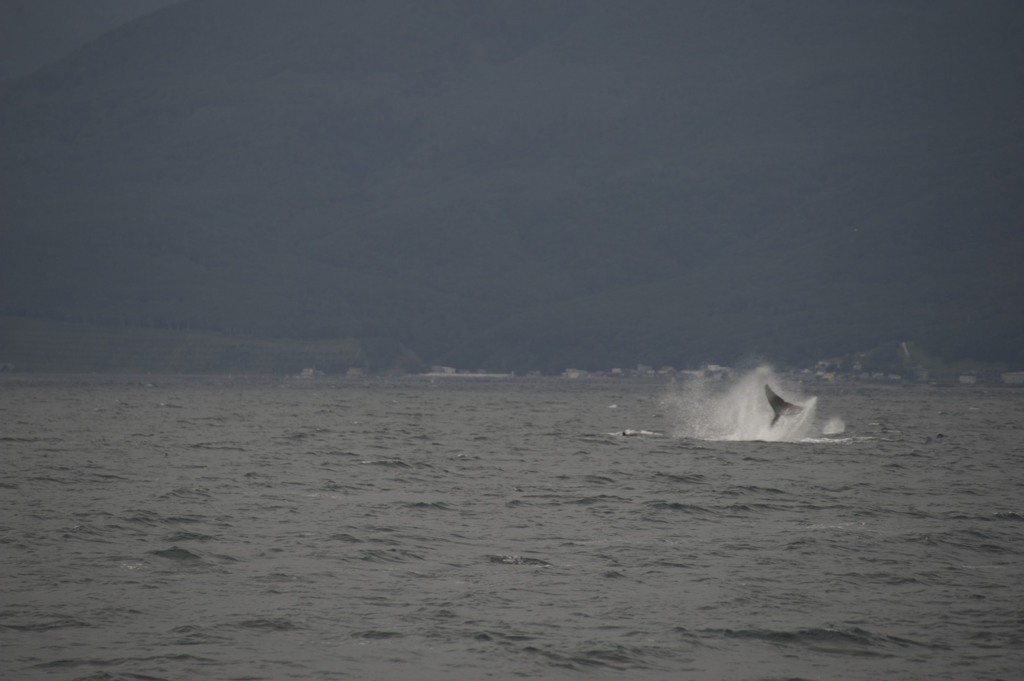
x: 780, y: 406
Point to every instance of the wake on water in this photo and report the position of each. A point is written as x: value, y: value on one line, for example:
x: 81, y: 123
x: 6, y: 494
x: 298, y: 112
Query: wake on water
x: 708, y: 409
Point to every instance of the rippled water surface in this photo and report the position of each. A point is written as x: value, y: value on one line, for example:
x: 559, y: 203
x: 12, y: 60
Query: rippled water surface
x: 218, y: 528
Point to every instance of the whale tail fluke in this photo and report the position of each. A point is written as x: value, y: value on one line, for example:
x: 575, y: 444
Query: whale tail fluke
x: 780, y: 406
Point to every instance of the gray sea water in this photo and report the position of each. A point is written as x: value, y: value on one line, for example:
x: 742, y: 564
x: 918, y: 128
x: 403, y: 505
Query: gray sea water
x: 416, y: 528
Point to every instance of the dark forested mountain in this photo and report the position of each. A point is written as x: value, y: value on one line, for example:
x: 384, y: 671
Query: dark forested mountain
x: 532, y: 183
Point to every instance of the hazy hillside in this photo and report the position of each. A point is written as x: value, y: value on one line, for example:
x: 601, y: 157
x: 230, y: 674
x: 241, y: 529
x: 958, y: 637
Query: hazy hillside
x: 35, y: 32
x: 531, y: 184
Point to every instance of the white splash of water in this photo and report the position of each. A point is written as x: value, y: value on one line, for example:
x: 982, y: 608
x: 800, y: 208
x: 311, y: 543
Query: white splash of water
x: 834, y: 426
x: 707, y: 409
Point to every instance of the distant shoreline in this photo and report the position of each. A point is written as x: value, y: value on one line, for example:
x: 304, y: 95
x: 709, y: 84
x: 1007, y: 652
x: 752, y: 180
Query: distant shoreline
x: 442, y: 374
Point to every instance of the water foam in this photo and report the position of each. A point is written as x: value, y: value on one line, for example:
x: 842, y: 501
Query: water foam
x: 708, y: 409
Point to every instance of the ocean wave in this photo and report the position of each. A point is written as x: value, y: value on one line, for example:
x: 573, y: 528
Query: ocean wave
x: 597, y: 499
x: 518, y: 560
x: 72, y: 662
x: 389, y: 556
x: 377, y: 635
x: 38, y: 624
x: 395, y: 463
x: 177, y: 554
x: 850, y: 641
x: 679, y: 507
x: 426, y: 505
x: 188, y: 536
x: 190, y: 634
x: 218, y: 445
x: 268, y: 624
x: 687, y: 478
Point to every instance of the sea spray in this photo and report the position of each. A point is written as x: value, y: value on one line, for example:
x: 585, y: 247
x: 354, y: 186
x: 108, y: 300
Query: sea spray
x: 834, y: 426
x: 711, y: 409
